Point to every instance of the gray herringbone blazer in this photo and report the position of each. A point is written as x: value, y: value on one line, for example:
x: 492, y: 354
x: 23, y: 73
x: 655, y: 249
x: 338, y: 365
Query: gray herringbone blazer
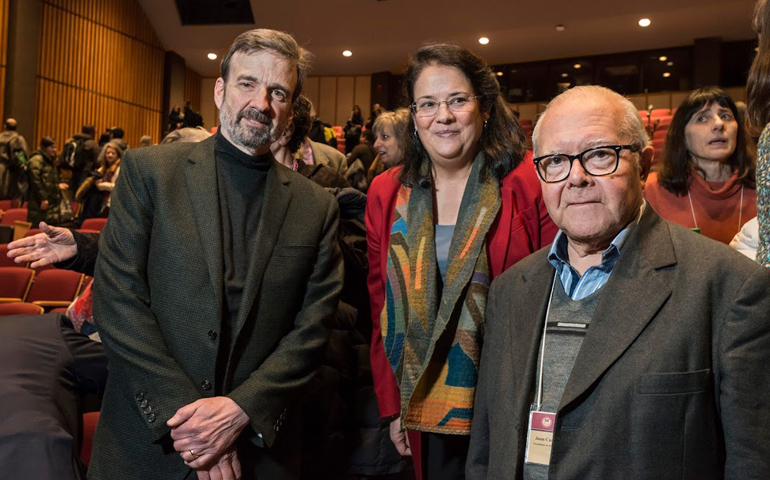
x: 672, y: 379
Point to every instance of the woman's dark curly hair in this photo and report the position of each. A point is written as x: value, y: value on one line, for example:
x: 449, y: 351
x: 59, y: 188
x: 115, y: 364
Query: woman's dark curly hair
x: 502, y: 140
x: 677, y: 162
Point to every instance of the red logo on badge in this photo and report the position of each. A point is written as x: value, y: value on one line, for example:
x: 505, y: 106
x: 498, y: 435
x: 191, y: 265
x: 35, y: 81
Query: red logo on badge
x: 547, y: 422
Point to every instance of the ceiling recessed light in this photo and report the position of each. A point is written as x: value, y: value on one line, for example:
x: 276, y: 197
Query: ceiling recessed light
x: 212, y: 56
x: 576, y: 66
x: 667, y: 74
x: 347, y: 53
x: 560, y: 27
x: 499, y: 74
x: 662, y: 58
x: 645, y: 22
x: 564, y: 75
x: 483, y: 40
x: 670, y: 64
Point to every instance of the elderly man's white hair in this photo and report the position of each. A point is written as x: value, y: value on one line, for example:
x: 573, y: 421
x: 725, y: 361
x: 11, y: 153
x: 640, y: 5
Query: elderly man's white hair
x: 631, y: 125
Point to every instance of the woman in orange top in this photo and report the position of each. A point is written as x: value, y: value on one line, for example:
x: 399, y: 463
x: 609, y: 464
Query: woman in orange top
x: 707, y: 179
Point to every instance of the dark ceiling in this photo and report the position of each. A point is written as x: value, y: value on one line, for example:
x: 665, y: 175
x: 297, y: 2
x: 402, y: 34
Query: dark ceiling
x: 381, y: 33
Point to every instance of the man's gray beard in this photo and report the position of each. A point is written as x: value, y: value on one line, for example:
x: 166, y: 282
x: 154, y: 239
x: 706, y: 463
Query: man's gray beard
x: 251, y: 138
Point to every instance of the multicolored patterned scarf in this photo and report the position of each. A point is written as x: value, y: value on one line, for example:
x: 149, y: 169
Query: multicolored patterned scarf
x: 432, y: 336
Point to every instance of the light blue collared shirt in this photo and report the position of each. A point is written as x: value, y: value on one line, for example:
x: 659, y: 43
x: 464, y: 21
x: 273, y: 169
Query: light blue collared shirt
x: 595, y: 277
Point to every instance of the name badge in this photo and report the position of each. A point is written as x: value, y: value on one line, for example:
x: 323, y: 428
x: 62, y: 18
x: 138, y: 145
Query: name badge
x: 539, y: 437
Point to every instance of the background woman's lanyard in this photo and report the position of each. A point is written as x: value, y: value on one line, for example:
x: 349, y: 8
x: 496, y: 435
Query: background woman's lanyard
x: 740, y: 210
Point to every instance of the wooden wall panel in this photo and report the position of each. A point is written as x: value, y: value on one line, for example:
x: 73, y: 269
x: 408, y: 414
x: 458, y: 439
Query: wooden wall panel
x: 101, y: 63
x: 345, y: 99
x: 311, y: 90
x: 3, y: 53
x: 659, y: 100
x: 209, y: 110
x: 192, y: 88
x: 362, y: 94
x: 327, y: 101
x: 334, y: 97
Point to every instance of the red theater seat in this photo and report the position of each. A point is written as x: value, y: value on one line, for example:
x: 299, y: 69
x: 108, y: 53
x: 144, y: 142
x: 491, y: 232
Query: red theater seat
x: 96, y: 224
x: 15, y: 283
x: 89, y: 427
x: 8, y: 204
x: 4, y: 260
x: 13, y: 215
x: 55, y: 288
x: 20, y: 308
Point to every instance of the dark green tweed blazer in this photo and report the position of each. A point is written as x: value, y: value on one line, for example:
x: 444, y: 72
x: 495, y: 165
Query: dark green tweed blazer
x: 158, y: 301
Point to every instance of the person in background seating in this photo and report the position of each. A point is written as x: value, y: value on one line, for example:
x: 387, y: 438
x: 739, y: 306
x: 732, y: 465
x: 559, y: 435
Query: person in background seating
x: 707, y: 177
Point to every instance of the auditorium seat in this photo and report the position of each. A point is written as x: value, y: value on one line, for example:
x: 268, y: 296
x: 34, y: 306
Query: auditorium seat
x: 15, y: 283
x: 4, y: 260
x: 660, y: 112
x: 55, y: 288
x: 89, y: 427
x: 12, y: 215
x: 7, y: 204
x: 658, y: 144
x: 96, y: 224
x: 19, y: 308
x: 32, y: 231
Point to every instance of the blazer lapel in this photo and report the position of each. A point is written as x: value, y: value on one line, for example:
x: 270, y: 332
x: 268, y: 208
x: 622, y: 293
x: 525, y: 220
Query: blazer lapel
x: 200, y: 176
x: 633, y: 295
x: 274, y: 207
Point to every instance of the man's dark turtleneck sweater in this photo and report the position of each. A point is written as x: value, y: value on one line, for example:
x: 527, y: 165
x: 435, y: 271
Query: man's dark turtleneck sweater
x: 241, y: 187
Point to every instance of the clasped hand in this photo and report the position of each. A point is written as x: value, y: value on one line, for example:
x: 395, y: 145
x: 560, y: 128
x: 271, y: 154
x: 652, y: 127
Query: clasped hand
x: 204, y: 433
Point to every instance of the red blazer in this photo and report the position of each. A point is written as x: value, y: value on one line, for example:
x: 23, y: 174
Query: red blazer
x: 522, y: 227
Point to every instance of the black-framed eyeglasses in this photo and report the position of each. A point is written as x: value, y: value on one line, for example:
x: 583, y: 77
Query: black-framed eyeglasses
x: 428, y: 108
x: 596, y: 161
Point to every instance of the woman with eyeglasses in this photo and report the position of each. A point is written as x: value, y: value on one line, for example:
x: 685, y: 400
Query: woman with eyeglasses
x: 464, y: 205
x: 707, y: 177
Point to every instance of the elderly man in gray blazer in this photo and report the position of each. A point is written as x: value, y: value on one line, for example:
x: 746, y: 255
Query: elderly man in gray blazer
x: 631, y: 348
x: 217, y: 272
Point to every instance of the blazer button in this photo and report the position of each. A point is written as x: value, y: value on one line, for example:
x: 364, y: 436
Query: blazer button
x: 206, y: 385
x: 147, y: 410
x: 151, y: 418
x: 143, y: 403
x: 139, y: 396
x: 212, y: 335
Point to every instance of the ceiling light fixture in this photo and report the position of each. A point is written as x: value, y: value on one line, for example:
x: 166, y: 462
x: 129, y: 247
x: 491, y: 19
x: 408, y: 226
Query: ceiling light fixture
x: 499, y: 74
x: 662, y: 58
x: 670, y: 64
x: 577, y: 66
x: 212, y: 56
x: 645, y: 22
x: 564, y: 75
x: 667, y: 74
x: 347, y: 53
x: 560, y: 27
x: 483, y: 40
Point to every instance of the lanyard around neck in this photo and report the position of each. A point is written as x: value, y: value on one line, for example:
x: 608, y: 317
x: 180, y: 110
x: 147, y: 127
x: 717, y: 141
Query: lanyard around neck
x: 542, y: 347
x: 740, y: 210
